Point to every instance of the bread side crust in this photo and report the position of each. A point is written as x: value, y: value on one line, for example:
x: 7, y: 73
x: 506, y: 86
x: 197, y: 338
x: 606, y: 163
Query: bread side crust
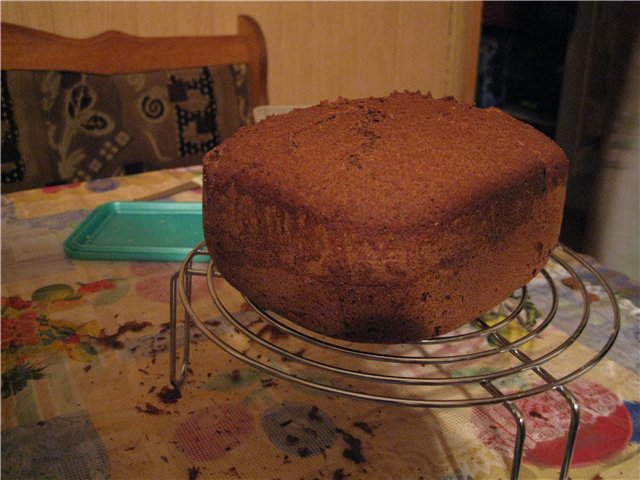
x: 386, y: 287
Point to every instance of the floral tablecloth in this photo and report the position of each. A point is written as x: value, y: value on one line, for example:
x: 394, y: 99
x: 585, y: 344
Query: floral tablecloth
x: 86, y: 391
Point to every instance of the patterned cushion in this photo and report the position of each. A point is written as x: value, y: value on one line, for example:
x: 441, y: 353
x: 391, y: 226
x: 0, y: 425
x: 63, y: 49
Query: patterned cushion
x: 61, y: 127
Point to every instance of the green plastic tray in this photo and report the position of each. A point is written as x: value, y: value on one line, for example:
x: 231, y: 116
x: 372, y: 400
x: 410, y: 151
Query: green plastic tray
x: 154, y: 231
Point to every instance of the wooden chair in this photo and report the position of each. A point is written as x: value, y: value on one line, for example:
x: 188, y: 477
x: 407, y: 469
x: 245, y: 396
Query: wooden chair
x: 112, y: 54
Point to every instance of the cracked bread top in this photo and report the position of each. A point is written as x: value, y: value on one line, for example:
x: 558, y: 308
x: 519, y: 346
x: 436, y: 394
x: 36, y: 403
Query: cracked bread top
x: 393, y: 162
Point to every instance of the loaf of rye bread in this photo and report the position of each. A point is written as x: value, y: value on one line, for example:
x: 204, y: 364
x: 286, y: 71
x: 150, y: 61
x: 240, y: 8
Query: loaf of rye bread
x: 384, y: 220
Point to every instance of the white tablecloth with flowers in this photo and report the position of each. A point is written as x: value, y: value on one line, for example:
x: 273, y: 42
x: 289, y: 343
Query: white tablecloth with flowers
x: 86, y: 391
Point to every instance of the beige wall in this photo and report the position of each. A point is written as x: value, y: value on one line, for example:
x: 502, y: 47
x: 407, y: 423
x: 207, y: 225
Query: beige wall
x: 316, y: 50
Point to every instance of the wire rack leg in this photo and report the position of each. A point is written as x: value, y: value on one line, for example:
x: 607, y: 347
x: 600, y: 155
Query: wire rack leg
x: 572, y: 434
x: 518, y: 449
x: 177, y: 378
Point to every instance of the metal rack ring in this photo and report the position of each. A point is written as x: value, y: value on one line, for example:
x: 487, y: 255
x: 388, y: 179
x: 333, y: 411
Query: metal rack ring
x: 181, y: 292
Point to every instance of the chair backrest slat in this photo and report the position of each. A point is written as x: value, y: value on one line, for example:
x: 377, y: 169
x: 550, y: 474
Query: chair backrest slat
x: 115, y: 52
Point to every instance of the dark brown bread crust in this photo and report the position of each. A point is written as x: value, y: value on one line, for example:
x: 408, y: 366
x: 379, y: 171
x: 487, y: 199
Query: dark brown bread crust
x: 384, y: 219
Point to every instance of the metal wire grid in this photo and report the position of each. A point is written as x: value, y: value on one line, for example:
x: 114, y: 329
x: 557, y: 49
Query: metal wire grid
x: 414, y: 390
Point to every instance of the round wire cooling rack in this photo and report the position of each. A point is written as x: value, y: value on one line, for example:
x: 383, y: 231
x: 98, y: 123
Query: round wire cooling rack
x: 527, y: 345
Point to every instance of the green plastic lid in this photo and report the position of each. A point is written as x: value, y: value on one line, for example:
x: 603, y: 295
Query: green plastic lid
x: 154, y: 231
